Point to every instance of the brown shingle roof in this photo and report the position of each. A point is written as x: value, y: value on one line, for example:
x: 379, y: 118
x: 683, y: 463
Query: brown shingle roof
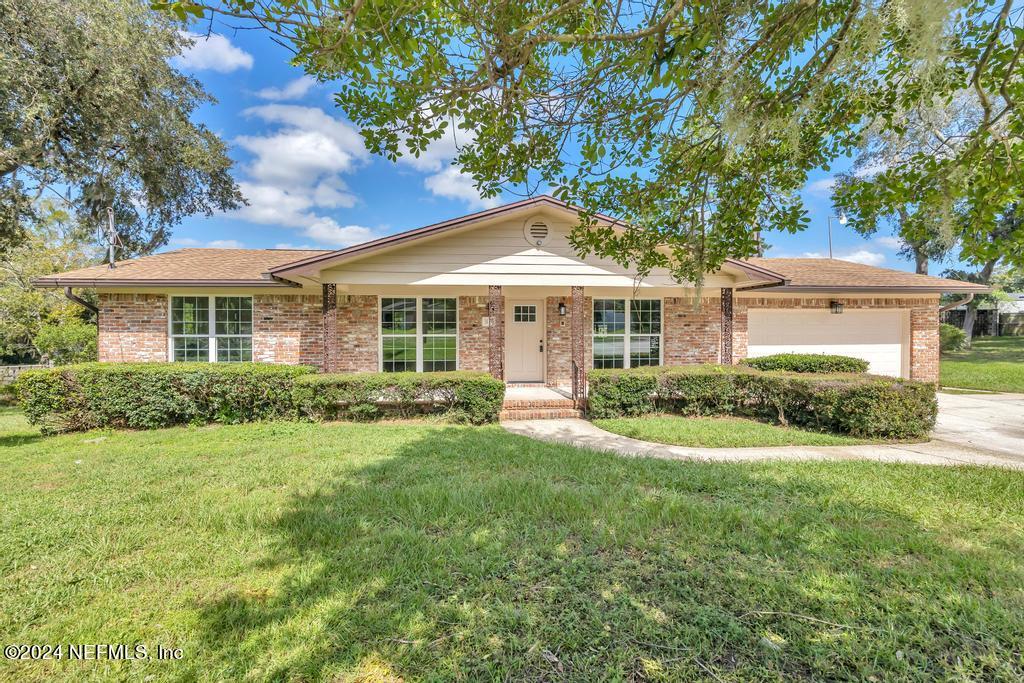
x: 183, y: 267
x: 821, y: 273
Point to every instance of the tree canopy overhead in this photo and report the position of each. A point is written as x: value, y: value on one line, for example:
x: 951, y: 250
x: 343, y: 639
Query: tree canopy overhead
x: 93, y: 113
x: 695, y: 122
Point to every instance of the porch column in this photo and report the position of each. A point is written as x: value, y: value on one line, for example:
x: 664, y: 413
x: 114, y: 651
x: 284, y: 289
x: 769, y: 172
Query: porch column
x: 330, y: 322
x: 726, y: 326
x: 496, y: 332
x: 578, y: 340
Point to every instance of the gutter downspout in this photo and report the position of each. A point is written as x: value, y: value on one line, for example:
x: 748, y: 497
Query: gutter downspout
x: 962, y: 302
x: 80, y: 301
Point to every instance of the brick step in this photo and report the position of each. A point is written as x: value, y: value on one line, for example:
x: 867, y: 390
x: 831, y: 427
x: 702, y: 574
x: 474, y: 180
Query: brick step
x: 539, y: 414
x: 535, y: 403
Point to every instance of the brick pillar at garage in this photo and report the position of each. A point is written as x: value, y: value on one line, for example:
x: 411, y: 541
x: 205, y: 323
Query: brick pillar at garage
x: 578, y: 353
x: 726, y: 326
x: 496, y: 341
x: 330, y: 322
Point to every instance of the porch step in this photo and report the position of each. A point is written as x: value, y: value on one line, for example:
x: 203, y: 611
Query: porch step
x: 537, y: 403
x: 539, y: 413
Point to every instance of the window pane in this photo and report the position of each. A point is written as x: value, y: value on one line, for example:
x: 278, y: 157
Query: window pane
x: 609, y: 316
x: 645, y: 317
x: 190, y: 315
x: 192, y: 349
x: 399, y: 353
x: 233, y: 315
x: 234, y: 349
x: 398, y: 316
x: 524, y: 314
x: 608, y: 352
x: 439, y: 316
x: 438, y: 354
x: 644, y: 351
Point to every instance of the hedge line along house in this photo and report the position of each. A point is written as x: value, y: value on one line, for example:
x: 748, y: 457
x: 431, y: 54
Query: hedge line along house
x: 502, y: 291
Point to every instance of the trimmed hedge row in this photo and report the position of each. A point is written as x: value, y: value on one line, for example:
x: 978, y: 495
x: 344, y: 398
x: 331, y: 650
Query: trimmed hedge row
x: 808, y: 362
x: 860, y: 405
x: 153, y: 395
x: 474, y: 397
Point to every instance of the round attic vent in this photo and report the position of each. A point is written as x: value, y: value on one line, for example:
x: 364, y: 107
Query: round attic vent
x: 536, y: 232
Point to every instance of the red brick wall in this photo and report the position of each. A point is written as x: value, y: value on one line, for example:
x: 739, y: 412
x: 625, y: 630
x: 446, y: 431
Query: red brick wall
x: 691, y: 334
x: 358, y: 333
x: 287, y: 328
x: 924, y: 324
x: 558, y: 348
x: 133, y: 327
x: 474, y: 338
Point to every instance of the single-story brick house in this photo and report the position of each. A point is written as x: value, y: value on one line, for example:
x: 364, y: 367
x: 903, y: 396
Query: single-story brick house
x: 502, y: 291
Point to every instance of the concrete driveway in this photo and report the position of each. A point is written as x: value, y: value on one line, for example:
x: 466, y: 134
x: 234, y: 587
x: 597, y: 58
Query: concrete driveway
x: 987, y: 422
x: 976, y: 429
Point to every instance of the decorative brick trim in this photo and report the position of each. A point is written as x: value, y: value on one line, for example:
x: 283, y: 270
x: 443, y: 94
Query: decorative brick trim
x: 330, y: 328
x: 579, y: 344
x: 496, y: 336
x: 726, y: 331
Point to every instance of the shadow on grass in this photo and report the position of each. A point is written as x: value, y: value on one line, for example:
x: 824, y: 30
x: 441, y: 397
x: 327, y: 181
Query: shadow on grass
x: 474, y: 554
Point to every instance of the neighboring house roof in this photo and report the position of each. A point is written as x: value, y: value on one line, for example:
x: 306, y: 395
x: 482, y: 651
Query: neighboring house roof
x: 810, y: 274
x: 186, y: 267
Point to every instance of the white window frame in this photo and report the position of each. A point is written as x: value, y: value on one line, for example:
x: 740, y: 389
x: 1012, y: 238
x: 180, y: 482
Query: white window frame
x: 419, y: 329
x: 627, y: 334
x: 211, y: 336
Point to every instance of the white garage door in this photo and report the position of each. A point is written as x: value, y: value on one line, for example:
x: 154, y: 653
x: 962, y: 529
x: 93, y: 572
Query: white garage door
x: 881, y: 337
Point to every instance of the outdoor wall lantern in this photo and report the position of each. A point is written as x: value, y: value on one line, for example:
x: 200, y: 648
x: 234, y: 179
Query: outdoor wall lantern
x: 837, y: 307
x: 561, y: 308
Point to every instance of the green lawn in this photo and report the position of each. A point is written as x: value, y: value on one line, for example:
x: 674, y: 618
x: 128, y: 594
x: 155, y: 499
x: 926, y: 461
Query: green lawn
x: 992, y: 363
x: 721, y: 432
x: 426, y: 552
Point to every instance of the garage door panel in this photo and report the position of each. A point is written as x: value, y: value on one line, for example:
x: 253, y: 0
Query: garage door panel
x: 880, y: 337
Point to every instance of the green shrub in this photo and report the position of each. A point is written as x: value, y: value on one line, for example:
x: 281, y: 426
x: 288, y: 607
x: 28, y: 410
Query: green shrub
x: 857, y: 404
x: 473, y: 397
x: 951, y: 338
x: 72, y: 341
x: 153, y: 395
x: 807, y: 362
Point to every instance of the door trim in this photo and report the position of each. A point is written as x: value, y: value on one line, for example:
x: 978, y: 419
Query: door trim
x: 541, y: 304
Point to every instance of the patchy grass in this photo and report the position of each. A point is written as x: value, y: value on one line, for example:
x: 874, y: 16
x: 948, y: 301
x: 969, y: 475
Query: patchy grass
x: 345, y: 552
x: 719, y: 432
x: 992, y: 363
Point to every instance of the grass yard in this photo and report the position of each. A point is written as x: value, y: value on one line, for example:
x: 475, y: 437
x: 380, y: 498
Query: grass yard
x: 992, y: 363
x: 391, y: 552
x: 719, y: 432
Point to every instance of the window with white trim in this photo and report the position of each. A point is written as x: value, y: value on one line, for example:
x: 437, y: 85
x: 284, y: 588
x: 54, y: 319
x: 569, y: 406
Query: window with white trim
x: 215, y: 329
x: 418, y: 334
x: 614, y: 332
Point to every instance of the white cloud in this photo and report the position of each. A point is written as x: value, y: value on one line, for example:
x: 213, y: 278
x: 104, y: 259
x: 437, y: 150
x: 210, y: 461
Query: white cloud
x: 889, y: 242
x: 295, y: 173
x: 292, y: 90
x: 454, y: 184
x: 447, y: 179
x: 186, y: 242
x: 821, y: 188
x: 212, y: 53
x: 865, y: 256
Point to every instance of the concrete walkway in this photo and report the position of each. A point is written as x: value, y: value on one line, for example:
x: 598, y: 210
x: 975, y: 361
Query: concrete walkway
x: 960, y: 435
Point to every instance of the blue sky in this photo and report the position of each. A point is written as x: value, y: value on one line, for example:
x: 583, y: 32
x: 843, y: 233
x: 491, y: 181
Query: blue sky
x: 310, y: 182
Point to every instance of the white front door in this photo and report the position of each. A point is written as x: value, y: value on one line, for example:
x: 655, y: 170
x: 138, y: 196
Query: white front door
x: 524, y: 341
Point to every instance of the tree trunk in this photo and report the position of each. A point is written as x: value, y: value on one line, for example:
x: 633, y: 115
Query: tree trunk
x: 984, y: 277
x: 920, y: 261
